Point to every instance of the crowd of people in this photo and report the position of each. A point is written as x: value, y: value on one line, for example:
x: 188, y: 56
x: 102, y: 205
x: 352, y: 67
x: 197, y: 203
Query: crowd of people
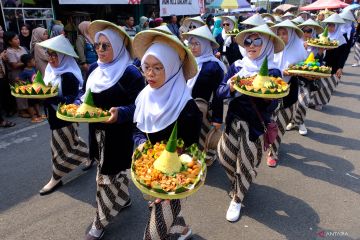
x: 154, y: 75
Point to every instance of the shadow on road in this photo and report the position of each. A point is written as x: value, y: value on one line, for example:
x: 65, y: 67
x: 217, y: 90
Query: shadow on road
x: 285, y: 214
x: 333, y: 172
x: 346, y: 143
x: 322, y: 125
x: 355, y: 84
x: 346, y: 95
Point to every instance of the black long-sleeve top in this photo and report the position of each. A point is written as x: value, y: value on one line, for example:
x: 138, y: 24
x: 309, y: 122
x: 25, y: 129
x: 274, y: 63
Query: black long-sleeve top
x: 70, y: 90
x: 189, y: 126
x: 208, y: 81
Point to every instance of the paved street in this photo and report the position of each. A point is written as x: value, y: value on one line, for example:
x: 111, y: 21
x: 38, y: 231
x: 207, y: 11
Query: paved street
x: 312, y: 194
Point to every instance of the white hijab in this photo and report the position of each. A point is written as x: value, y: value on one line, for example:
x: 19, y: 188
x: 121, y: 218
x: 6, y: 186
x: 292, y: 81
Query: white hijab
x: 107, y: 75
x: 346, y: 28
x: 156, y: 109
x: 227, y: 38
x: 206, y: 56
x: 251, y: 67
x: 67, y: 64
x: 293, y: 52
x: 337, y: 35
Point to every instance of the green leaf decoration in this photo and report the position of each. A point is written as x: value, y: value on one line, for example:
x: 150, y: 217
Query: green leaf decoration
x: 39, y: 79
x: 326, y: 32
x: 172, y: 143
x: 89, y: 98
x: 264, y: 71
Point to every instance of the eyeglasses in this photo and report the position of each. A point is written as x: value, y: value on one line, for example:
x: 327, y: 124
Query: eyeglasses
x: 156, y: 70
x: 192, y: 27
x: 257, y: 42
x: 194, y: 44
x: 51, y: 54
x: 307, y: 30
x: 226, y: 24
x: 103, y: 46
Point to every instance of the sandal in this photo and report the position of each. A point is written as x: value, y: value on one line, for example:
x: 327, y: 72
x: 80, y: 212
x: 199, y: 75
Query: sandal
x: 271, y: 161
x: 7, y: 124
x: 37, y: 120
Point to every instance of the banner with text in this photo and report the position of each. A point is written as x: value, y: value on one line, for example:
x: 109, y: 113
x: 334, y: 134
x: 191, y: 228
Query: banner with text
x: 181, y: 7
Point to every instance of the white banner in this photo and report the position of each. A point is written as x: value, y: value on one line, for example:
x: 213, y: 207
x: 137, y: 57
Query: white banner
x: 181, y: 7
x: 99, y: 1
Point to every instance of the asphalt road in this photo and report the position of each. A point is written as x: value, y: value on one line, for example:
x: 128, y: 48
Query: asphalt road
x: 312, y: 194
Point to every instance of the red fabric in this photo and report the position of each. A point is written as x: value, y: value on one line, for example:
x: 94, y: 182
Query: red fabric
x: 134, y: 1
x: 322, y: 4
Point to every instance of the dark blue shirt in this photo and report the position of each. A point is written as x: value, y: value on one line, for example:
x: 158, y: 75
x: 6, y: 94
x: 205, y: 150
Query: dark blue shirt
x: 27, y: 74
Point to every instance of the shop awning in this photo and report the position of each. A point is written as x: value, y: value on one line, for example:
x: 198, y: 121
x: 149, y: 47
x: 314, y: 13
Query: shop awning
x: 323, y: 4
x: 229, y: 4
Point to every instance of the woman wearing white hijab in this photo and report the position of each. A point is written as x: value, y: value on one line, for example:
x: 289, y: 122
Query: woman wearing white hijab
x: 228, y: 47
x: 240, y: 147
x: 204, y: 85
x: 67, y: 148
x: 294, y: 52
x: 115, y: 83
x: 334, y: 58
x: 166, y: 100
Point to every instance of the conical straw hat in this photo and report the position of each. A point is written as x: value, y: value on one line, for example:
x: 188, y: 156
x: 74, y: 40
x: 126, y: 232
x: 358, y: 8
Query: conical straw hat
x: 197, y: 19
x: 143, y: 40
x: 59, y: 44
x: 312, y: 23
x: 334, y: 18
x: 347, y: 15
x: 202, y: 32
x: 298, y: 20
x: 288, y: 24
x: 254, y: 20
x: 162, y: 28
x: 262, y: 29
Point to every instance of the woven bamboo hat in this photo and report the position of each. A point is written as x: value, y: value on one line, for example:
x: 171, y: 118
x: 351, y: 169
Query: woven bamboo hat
x: 197, y: 19
x: 262, y: 29
x: 231, y: 18
x: 59, y: 44
x: 298, y: 20
x: 99, y: 25
x: 269, y: 16
x: 288, y: 24
x: 254, y: 20
x: 347, y: 15
x: 288, y: 14
x: 334, y: 18
x: 143, y: 40
x: 163, y: 28
x: 202, y: 32
x: 312, y: 23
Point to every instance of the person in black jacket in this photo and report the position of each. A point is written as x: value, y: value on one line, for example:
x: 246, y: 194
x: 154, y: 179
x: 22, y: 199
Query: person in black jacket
x: 228, y: 47
x: 115, y: 83
x: 163, y: 102
x: 204, y: 85
x: 67, y: 148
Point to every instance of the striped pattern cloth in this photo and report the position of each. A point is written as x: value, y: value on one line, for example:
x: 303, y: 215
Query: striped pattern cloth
x: 240, y: 157
x: 302, y: 105
x: 68, y: 151
x: 357, y: 53
x: 165, y: 221
x: 322, y: 97
x: 112, y: 191
x: 282, y: 117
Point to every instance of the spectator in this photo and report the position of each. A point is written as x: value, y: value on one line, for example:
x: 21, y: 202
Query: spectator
x: 1, y: 39
x: 57, y: 29
x: 129, y: 26
x: 143, y: 25
x: 13, y: 52
x: 85, y: 48
x: 4, y: 93
x: 158, y: 21
x: 173, y: 26
x: 25, y: 36
x: 41, y: 60
x: 27, y: 75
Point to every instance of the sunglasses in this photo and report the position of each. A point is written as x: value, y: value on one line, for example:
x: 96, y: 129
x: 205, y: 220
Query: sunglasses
x: 226, y: 24
x: 103, y: 46
x: 192, y: 27
x: 307, y: 30
x: 256, y: 42
x: 51, y: 54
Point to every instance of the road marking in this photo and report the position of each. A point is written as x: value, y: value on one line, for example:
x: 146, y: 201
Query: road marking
x: 23, y: 130
x: 351, y: 176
